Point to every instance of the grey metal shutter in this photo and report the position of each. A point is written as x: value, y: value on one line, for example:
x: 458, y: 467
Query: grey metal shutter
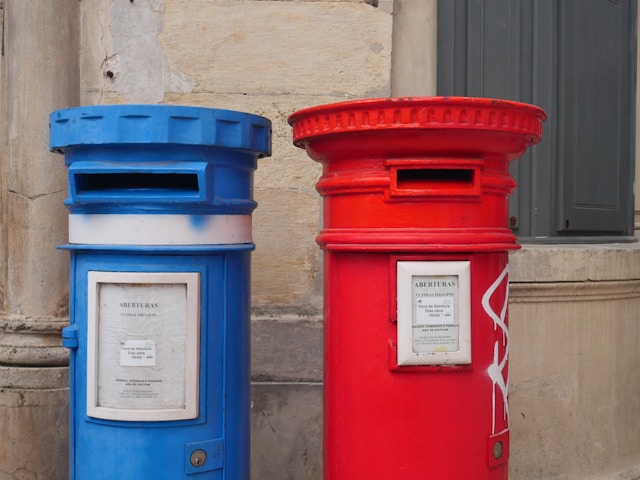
x: 575, y: 59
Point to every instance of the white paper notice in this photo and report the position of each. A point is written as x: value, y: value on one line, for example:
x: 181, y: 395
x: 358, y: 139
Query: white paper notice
x: 142, y: 331
x: 138, y: 353
x: 434, y: 311
x: 435, y: 326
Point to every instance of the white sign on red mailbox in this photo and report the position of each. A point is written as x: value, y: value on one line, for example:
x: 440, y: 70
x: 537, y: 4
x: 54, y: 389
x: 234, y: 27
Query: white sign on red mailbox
x: 434, y: 314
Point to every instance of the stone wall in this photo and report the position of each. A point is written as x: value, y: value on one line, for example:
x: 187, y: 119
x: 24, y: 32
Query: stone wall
x: 39, y: 73
x: 574, y: 387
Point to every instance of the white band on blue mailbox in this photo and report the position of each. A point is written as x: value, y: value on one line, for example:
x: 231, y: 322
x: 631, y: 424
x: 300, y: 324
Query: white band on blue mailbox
x: 131, y: 229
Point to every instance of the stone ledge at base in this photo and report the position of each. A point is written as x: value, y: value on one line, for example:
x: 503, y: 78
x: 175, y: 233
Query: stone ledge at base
x: 32, y: 341
x: 575, y: 262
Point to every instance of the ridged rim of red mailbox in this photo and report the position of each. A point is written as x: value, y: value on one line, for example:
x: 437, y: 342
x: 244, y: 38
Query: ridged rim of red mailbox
x: 419, y: 113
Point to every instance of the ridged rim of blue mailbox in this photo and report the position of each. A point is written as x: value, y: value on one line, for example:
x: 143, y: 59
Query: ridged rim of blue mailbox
x: 113, y: 125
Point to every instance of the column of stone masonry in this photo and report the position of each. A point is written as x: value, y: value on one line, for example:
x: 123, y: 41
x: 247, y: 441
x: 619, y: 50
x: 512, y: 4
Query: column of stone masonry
x: 39, y: 74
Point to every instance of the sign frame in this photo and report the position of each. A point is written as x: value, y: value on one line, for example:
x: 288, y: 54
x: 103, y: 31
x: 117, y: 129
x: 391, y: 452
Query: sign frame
x: 443, y: 347
x: 192, y: 314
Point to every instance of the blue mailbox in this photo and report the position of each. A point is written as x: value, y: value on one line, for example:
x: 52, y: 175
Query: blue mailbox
x: 160, y: 202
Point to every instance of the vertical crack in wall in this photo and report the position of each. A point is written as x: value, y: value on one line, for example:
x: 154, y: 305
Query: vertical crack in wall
x: 141, y: 72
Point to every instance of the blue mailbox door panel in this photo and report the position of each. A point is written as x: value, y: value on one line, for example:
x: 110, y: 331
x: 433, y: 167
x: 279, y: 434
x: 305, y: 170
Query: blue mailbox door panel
x: 161, y: 363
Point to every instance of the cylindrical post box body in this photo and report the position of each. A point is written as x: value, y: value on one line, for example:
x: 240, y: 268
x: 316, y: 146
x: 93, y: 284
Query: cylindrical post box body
x: 160, y: 201
x: 416, y: 245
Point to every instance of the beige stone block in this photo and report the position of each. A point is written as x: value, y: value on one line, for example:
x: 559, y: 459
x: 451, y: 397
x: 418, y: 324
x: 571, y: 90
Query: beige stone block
x: 274, y: 357
x: 575, y: 262
x: 32, y: 53
x: 135, y: 52
x: 286, y: 431
x: 258, y: 47
x: 574, y: 408
x: 35, y: 438
x: 36, y: 270
x: 30, y: 378
x: 285, y: 266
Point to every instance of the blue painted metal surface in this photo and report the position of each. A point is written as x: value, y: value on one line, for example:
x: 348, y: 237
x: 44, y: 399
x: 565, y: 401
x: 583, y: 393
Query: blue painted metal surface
x: 149, y: 160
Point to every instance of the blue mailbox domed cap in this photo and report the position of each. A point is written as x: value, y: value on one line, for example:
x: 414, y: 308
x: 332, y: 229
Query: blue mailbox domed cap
x: 159, y: 125
x: 149, y: 159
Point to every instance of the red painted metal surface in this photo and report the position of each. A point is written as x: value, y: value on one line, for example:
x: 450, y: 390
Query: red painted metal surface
x: 427, y: 180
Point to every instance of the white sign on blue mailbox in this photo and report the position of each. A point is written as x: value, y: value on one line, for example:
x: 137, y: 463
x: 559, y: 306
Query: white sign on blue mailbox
x: 143, y: 345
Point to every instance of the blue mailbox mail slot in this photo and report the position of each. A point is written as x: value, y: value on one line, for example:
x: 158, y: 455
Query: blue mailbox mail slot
x: 160, y: 201
x: 133, y: 181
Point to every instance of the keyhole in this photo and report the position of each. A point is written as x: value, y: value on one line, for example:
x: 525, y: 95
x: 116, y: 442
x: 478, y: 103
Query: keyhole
x: 198, y: 457
x: 497, y: 450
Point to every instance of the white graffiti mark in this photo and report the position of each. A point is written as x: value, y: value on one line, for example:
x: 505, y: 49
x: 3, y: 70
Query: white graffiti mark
x: 496, y: 369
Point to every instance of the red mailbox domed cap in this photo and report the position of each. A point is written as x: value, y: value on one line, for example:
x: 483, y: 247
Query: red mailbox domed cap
x: 427, y: 125
x: 415, y: 174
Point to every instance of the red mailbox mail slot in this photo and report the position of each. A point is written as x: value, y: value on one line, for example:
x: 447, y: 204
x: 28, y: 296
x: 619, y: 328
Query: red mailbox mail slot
x: 415, y: 238
x: 434, y: 177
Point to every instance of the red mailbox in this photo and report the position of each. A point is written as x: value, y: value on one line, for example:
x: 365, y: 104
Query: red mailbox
x: 416, y: 243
